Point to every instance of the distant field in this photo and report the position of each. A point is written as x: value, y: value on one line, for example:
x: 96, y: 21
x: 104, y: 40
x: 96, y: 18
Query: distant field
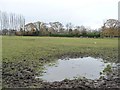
x: 33, y: 48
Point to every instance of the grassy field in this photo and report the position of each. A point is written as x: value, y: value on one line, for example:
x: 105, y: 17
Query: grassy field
x: 24, y: 57
x: 33, y: 48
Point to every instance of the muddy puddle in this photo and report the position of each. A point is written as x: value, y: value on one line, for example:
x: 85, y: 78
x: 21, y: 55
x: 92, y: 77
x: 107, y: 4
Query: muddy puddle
x: 71, y: 68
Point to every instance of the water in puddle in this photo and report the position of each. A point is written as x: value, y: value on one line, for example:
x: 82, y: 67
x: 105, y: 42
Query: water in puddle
x: 87, y: 67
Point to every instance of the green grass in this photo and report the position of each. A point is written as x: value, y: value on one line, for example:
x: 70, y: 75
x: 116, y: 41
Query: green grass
x: 33, y: 48
x: 32, y: 53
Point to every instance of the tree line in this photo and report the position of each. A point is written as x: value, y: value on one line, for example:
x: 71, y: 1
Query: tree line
x: 110, y: 28
x: 13, y: 24
x: 57, y: 29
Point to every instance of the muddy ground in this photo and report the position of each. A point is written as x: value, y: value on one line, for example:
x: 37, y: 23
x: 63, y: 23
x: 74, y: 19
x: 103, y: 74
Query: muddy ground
x: 22, y: 74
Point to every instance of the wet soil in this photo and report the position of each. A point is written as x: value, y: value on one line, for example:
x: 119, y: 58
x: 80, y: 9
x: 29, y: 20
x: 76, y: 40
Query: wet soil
x: 22, y: 74
x: 25, y: 77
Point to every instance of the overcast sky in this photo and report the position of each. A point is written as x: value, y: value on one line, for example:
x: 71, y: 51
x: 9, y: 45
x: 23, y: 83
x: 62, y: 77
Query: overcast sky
x: 79, y: 12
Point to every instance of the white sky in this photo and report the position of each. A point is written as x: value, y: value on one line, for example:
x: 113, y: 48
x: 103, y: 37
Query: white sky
x: 79, y: 12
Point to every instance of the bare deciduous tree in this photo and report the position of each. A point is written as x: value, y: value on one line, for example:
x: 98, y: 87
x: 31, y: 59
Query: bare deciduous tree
x: 69, y: 26
x: 11, y: 21
x: 57, y: 26
x: 110, y: 28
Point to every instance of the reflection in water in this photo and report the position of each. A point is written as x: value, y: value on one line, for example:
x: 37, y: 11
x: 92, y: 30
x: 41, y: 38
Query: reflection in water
x: 87, y: 67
